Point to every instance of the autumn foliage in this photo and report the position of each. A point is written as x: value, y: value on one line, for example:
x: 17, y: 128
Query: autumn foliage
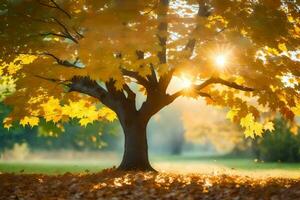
x: 61, y: 58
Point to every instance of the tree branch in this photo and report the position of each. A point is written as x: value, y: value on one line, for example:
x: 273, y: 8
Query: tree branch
x: 165, y: 80
x: 152, y: 78
x: 55, y: 5
x: 59, y: 61
x: 58, y: 35
x: 203, y: 11
x: 66, y: 31
x: 223, y: 82
x: 210, y: 81
x: 130, y: 93
x: 183, y: 91
x: 65, y: 63
x: 80, y: 84
x: 62, y: 82
x: 85, y: 85
x: 163, y: 28
x: 141, y: 80
x: 78, y: 33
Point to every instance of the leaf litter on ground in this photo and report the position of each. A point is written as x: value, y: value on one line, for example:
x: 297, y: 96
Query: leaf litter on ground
x: 117, y: 185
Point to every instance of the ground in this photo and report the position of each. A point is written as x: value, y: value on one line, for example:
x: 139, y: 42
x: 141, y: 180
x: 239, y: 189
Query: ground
x: 243, y: 179
x: 176, y: 164
x: 111, y: 184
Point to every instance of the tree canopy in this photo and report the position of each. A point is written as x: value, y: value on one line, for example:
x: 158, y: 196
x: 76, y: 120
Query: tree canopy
x: 59, y: 58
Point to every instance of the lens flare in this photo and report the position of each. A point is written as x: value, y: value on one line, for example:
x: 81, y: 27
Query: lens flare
x: 221, y: 56
x: 186, y: 82
x: 221, y: 60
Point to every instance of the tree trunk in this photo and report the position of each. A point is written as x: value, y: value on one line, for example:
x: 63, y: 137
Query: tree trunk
x: 135, y: 155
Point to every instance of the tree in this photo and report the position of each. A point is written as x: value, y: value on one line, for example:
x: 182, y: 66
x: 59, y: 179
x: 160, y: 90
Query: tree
x: 207, y: 125
x: 281, y: 145
x: 243, y: 55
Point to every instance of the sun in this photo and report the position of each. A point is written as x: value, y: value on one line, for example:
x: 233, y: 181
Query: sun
x: 221, y: 56
x: 185, y: 81
x: 220, y: 60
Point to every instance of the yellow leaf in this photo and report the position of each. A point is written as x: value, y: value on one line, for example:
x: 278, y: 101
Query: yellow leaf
x: 85, y: 121
x: 282, y: 47
x: 231, y: 114
x: 7, y: 122
x: 269, y: 126
x: 294, y: 129
x: 31, y: 121
x: 52, y: 110
x: 249, y: 133
x: 258, y: 128
x: 107, y: 114
x: 296, y: 110
x: 247, y: 121
x: 75, y: 109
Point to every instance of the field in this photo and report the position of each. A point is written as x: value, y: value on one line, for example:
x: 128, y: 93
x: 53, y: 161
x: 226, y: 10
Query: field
x: 180, y: 177
x: 175, y: 164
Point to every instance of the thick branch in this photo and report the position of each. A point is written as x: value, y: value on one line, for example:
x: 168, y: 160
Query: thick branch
x: 88, y: 86
x: 197, y: 88
x: 81, y: 84
x: 162, y: 55
x: 111, y: 88
x: 132, y: 74
x: 163, y: 28
x: 152, y: 78
x: 130, y: 93
x: 165, y: 80
x: 203, y: 11
x: 183, y: 92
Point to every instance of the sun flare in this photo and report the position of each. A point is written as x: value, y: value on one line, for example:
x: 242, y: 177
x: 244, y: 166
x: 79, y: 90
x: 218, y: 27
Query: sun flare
x: 221, y: 60
x: 186, y: 82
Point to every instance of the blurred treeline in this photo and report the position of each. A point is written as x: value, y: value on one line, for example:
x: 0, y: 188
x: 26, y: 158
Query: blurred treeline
x: 281, y: 145
x: 47, y: 136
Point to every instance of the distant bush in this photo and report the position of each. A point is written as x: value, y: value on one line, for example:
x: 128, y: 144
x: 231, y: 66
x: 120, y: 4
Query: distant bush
x: 18, y: 152
x: 279, y: 146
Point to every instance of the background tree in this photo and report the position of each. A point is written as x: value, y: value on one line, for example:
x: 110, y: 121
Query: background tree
x: 238, y: 54
x: 279, y: 146
x: 99, y: 135
x: 208, y: 125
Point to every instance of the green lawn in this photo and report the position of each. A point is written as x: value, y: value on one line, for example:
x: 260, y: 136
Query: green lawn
x: 229, y: 162
x: 52, y: 166
x: 181, y: 164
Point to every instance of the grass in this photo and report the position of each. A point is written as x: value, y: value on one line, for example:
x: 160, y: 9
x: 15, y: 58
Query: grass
x: 230, y: 162
x: 181, y: 164
x: 52, y: 166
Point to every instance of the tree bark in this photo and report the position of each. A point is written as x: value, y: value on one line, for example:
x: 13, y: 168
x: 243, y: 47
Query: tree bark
x: 135, y: 157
